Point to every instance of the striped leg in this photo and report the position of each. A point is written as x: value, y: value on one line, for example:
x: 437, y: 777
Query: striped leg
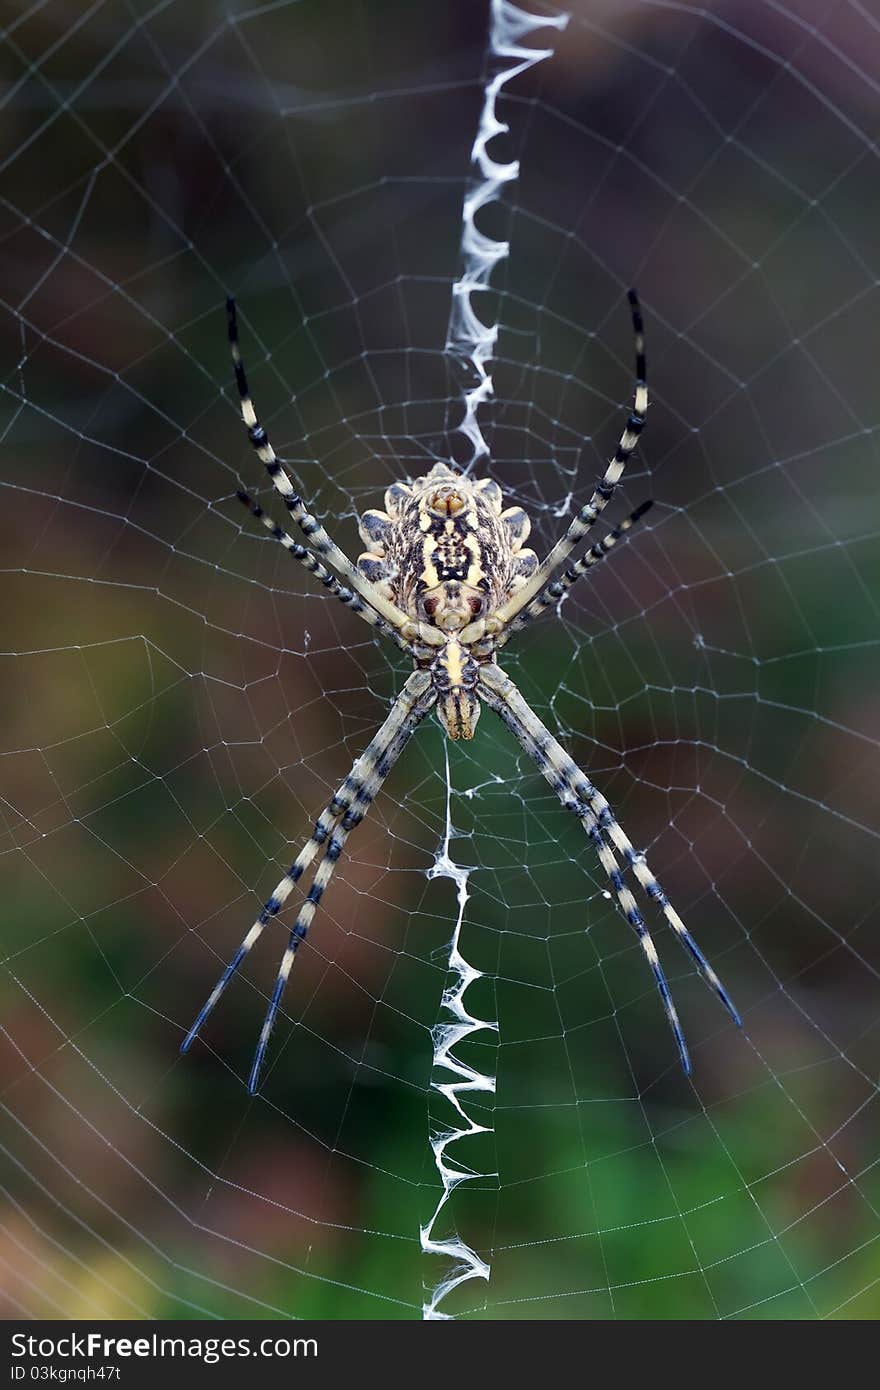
x: 625, y: 899
x: 627, y: 905
x: 402, y: 711
x: 310, y: 561
x: 377, y: 765
x: 312, y: 529
x: 555, y: 591
x: 603, y: 491
x: 577, y: 794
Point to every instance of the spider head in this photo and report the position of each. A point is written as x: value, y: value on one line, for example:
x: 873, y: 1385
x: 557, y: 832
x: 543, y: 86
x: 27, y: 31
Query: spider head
x: 455, y: 679
x: 458, y: 712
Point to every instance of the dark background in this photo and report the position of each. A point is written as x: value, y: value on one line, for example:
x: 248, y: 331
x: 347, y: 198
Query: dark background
x: 179, y: 699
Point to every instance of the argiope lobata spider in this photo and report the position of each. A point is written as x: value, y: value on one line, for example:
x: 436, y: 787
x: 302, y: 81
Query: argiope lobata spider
x: 446, y: 576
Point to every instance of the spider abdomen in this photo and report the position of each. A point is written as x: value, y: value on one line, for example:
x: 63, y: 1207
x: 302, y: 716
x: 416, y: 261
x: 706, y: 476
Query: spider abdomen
x: 444, y: 550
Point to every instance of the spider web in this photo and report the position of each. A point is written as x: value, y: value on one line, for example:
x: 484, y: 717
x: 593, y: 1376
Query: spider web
x: 181, y: 700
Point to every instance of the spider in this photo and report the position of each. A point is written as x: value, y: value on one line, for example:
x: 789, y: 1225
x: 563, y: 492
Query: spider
x: 447, y: 576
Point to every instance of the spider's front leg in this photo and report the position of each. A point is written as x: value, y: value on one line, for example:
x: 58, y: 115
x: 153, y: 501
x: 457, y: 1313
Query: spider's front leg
x: 343, y: 812
x: 577, y: 794
x: 376, y: 767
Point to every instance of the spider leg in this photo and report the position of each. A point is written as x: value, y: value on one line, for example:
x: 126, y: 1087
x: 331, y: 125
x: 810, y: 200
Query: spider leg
x: 628, y: 907
x: 310, y: 561
x: 311, y: 528
x: 554, y: 591
x: 401, y: 712
x: 652, y: 889
x: 625, y: 899
x: 577, y: 794
x: 604, y: 490
x: 377, y: 763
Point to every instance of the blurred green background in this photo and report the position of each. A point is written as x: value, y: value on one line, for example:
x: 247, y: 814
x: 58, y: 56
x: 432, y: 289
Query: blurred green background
x: 179, y: 700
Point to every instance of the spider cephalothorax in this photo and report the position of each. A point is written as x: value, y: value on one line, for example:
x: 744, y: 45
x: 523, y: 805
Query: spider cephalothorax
x: 447, y: 577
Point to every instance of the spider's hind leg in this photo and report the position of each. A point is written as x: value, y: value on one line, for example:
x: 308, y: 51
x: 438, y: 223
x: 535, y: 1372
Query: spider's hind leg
x: 583, y: 522
x: 319, y: 541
